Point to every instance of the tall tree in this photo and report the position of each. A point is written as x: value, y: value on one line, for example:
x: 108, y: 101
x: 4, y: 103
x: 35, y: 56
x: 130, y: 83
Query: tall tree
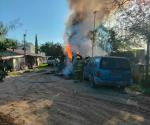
x: 5, y: 42
x: 36, y: 44
x: 5, y: 28
x: 11, y: 43
x: 3, y: 31
x: 136, y: 18
x: 110, y: 40
x: 52, y: 49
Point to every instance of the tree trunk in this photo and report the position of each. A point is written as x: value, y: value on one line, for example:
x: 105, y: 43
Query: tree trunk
x: 147, y: 60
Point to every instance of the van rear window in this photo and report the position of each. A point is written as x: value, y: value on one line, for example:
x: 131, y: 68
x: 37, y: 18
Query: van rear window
x: 115, y: 63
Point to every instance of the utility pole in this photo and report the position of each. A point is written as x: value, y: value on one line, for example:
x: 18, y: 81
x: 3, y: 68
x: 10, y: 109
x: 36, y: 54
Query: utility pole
x: 93, y: 42
x: 24, y: 46
x: 147, y: 60
x: 36, y: 48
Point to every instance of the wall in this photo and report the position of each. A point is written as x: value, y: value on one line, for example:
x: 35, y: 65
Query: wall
x: 18, y: 63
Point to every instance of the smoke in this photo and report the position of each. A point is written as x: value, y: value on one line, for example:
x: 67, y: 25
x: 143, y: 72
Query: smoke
x: 81, y: 22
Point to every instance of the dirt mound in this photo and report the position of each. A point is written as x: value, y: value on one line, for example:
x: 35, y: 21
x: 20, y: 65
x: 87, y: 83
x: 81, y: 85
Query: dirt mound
x: 6, y: 120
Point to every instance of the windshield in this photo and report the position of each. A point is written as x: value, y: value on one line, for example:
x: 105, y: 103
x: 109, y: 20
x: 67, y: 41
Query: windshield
x: 115, y: 63
x: 50, y: 58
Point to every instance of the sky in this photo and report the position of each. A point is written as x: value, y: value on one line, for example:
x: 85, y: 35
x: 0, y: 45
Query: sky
x: 46, y: 18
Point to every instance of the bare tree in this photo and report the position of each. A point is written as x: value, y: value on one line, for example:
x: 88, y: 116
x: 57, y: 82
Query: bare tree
x: 136, y: 22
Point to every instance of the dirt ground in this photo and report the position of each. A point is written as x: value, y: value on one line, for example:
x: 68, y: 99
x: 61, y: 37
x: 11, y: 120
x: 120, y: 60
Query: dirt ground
x: 44, y: 99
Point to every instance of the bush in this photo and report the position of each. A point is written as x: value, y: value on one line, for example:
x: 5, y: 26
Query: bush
x: 146, y: 83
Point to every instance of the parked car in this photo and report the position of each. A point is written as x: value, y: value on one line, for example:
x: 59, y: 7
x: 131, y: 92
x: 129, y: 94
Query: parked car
x: 51, y: 61
x: 114, y: 71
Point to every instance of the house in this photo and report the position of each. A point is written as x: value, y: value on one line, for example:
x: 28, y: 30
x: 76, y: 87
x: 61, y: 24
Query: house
x: 18, y: 60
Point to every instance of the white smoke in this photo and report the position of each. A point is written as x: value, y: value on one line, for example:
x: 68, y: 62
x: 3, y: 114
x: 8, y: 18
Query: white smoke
x: 81, y: 22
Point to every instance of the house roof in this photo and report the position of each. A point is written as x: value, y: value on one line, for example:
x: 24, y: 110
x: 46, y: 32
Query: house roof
x: 12, y: 57
x: 9, y: 54
x: 21, y: 52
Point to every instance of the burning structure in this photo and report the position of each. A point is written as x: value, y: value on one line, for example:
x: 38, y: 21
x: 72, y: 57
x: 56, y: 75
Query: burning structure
x: 86, y: 16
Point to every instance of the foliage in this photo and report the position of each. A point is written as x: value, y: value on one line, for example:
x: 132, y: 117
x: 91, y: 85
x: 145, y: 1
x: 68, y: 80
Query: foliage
x: 136, y: 19
x: 115, y: 42
x: 42, y: 66
x: 5, y: 42
x: 110, y: 40
x: 128, y: 27
x: 52, y: 49
x: 8, y: 43
x: 36, y: 45
x: 3, y: 29
x: 11, y: 43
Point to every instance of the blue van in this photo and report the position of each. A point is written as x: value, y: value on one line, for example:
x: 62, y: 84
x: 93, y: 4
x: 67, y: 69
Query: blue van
x: 113, y: 71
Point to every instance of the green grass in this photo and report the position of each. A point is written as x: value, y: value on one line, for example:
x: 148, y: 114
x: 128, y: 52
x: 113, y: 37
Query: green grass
x: 19, y: 73
x: 146, y: 91
x: 135, y: 87
x: 13, y: 74
x: 41, y: 66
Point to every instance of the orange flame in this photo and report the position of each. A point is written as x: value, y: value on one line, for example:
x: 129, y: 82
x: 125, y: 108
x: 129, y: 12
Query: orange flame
x: 69, y: 51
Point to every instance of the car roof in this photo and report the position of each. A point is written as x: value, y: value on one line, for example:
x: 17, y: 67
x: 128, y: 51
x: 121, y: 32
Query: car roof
x: 114, y: 57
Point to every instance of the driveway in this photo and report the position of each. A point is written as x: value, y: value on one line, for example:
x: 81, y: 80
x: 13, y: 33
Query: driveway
x: 40, y: 98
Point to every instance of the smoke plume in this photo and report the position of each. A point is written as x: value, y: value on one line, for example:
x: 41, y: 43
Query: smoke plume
x: 81, y: 22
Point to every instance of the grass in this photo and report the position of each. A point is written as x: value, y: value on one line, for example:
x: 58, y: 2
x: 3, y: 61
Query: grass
x: 19, y: 73
x: 142, y: 87
x: 135, y: 87
x: 14, y: 74
x: 146, y: 90
x: 41, y: 66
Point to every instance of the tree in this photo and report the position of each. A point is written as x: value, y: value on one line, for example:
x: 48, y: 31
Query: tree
x: 3, y: 29
x: 36, y: 45
x: 8, y: 43
x: 52, y: 49
x: 115, y: 42
x: 110, y: 40
x: 136, y: 18
x: 11, y: 43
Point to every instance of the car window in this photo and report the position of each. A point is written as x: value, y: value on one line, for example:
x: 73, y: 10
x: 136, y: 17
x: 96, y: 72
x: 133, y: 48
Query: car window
x: 115, y: 63
x: 50, y: 58
x: 96, y: 62
x: 90, y: 63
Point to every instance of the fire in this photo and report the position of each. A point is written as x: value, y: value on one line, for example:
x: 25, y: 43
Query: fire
x: 69, y: 51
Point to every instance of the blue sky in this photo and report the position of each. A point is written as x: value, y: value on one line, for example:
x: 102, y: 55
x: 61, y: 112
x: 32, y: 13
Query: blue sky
x: 46, y: 18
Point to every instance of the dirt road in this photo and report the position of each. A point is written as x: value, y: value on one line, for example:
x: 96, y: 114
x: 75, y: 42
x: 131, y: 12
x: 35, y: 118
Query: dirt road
x: 44, y: 99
